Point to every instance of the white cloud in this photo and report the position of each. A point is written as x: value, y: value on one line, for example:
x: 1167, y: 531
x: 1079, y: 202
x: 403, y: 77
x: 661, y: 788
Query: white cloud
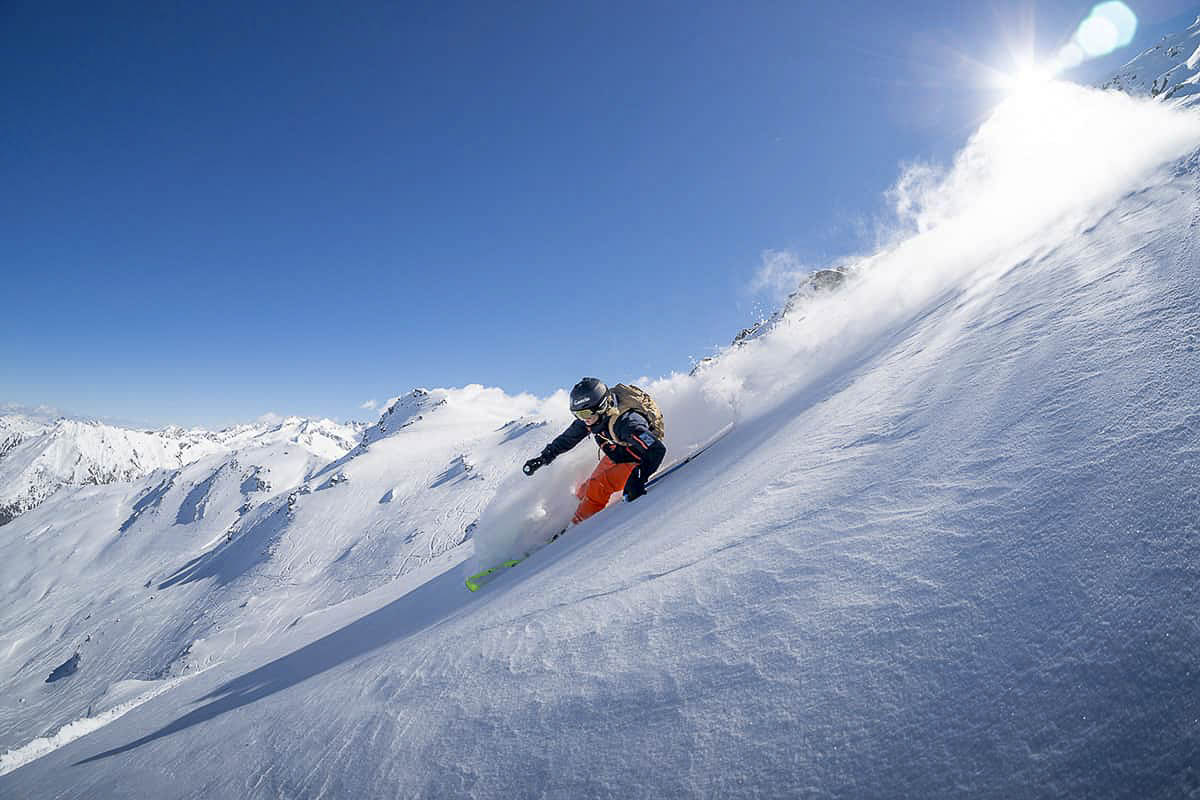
x: 32, y: 411
x: 370, y: 405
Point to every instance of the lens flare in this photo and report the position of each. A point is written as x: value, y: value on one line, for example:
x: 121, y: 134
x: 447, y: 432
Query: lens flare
x: 1069, y: 57
x: 1121, y: 17
x: 1097, y: 36
x: 1110, y: 26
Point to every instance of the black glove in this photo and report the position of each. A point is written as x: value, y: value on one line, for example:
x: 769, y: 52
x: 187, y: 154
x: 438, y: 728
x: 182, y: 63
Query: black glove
x: 533, y: 465
x: 635, y: 486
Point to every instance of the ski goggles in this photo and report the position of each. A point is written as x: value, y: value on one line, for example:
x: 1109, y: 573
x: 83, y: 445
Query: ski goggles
x: 589, y: 414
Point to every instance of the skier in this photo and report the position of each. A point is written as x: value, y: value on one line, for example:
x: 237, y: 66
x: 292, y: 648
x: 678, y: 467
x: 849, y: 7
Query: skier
x: 627, y: 425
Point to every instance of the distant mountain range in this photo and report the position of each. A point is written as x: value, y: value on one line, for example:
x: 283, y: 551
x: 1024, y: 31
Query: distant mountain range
x: 40, y: 455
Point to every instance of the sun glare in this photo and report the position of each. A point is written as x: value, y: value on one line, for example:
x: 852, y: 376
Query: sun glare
x: 1109, y: 27
x: 1028, y: 78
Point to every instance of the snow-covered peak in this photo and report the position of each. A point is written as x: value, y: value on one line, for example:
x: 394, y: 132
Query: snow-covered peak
x: 76, y: 453
x: 1170, y: 70
x: 812, y: 286
x: 402, y: 408
x: 400, y: 412
x: 15, y: 428
x: 466, y: 405
x: 38, y: 457
x: 322, y: 437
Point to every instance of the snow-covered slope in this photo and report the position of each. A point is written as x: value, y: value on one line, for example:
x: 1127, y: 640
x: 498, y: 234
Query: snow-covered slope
x: 16, y: 428
x: 38, y: 458
x: 1169, y: 71
x: 949, y: 549
x: 158, y: 577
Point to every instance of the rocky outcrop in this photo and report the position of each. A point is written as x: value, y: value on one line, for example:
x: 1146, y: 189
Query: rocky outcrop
x: 1170, y: 70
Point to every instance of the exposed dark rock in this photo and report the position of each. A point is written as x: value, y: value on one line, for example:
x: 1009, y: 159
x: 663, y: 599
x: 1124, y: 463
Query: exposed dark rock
x: 65, y: 669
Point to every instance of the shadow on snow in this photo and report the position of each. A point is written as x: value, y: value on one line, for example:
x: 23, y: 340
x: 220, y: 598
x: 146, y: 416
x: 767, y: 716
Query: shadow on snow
x: 237, y: 555
x: 424, y: 607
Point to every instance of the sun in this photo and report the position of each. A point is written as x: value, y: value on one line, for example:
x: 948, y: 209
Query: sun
x: 1028, y: 78
x: 1110, y: 26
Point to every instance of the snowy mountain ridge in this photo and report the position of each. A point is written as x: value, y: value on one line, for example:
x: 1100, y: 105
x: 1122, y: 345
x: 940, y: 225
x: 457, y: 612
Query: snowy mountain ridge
x: 1169, y: 71
x: 198, y: 560
x: 16, y: 428
x: 38, y: 456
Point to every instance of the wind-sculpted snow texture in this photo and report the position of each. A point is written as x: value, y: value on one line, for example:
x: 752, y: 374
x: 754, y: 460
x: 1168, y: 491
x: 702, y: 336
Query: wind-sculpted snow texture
x: 951, y: 548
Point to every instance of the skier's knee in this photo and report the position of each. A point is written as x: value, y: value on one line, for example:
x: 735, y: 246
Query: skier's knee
x: 598, y: 494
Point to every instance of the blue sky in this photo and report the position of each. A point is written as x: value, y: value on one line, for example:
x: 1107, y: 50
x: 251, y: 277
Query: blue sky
x: 212, y: 211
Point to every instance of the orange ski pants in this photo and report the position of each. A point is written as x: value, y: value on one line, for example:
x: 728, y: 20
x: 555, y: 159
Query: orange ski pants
x: 607, y: 478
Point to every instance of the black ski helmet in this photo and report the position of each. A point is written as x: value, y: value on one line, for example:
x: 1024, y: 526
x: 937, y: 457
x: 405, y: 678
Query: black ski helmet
x: 589, y: 393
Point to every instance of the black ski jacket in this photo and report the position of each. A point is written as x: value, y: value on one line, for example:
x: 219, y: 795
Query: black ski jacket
x: 636, y: 443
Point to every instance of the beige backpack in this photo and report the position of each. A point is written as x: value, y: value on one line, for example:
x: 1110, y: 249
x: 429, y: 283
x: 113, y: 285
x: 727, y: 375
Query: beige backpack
x: 631, y: 398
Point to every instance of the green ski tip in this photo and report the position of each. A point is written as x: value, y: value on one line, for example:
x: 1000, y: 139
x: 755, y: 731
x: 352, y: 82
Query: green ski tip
x: 477, y: 580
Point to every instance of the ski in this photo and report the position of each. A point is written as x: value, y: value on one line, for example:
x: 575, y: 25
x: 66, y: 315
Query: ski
x: 662, y: 473
x: 480, y: 579
x: 477, y: 580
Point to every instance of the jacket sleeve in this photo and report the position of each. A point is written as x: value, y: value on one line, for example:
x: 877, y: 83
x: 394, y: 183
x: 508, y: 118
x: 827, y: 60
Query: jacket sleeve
x: 573, y: 435
x: 650, y: 450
